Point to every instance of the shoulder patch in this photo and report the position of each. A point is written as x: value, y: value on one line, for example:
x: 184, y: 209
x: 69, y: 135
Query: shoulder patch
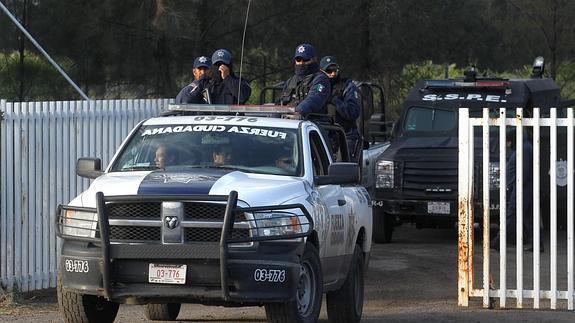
x: 320, y: 88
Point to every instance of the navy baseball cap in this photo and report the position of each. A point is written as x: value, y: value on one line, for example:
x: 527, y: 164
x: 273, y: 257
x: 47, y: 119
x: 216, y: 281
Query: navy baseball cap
x: 202, y: 61
x: 222, y: 56
x: 327, y: 61
x: 304, y: 51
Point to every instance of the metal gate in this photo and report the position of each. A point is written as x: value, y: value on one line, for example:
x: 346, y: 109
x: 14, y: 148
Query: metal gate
x: 40, y: 143
x: 556, y: 264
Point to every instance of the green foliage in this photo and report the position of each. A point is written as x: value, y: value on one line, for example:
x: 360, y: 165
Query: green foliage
x: 566, y: 79
x: 36, y: 79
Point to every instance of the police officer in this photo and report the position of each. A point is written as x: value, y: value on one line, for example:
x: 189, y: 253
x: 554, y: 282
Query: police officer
x: 309, y: 89
x: 224, y: 85
x: 192, y: 93
x: 345, y: 101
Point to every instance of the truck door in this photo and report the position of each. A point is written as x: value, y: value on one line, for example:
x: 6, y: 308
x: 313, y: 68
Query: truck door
x: 333, y: 197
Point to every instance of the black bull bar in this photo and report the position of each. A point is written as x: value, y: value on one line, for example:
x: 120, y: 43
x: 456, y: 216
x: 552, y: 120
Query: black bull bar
x: 103, y: 227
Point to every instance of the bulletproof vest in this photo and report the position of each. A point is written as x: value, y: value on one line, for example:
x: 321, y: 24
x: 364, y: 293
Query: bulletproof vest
x: 297, y: 89
x: 337, y: 90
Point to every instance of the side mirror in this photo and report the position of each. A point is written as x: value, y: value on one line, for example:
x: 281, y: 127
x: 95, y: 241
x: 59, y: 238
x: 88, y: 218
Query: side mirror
x: 89, y: 167
x: 340, y: 173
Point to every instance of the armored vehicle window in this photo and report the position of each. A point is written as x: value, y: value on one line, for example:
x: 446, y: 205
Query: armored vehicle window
x: 420, y: 119
x: 179, y: 147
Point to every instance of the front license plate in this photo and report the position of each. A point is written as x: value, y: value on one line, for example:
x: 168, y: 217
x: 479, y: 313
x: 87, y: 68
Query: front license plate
x: 167, y: 274
x: 438, y: 207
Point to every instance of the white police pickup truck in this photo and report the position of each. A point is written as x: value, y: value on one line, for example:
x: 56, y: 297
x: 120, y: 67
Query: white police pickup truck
x: 220, y: 209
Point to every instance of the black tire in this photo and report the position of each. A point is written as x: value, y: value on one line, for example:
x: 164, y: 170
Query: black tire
x: 80, y: 308
x: 306, y: 305
x: 345, y: 305
x: 382, y: 226
x: 162, y: 312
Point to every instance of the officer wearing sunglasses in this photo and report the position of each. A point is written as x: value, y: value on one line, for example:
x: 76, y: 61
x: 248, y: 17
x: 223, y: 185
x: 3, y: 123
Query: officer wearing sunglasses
x: 343, y: 103
x: 309, y: 89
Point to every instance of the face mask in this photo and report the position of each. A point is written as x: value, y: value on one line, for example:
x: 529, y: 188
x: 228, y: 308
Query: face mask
x: 306, y: 69
x: 216, y: 75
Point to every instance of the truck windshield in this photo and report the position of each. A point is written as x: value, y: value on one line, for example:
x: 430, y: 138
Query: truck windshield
x: 423, y: 119
x: 181, y: 147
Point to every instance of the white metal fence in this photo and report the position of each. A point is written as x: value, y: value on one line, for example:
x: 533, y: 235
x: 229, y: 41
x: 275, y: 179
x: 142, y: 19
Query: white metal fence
x: 40, y: 143
x: 538, y: 276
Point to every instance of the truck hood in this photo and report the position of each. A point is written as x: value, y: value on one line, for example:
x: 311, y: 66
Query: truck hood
x: 254, y: 189
x: 419, y: 143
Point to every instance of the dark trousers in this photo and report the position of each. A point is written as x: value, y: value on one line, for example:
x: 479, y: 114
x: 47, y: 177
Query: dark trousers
x: 511, y: 213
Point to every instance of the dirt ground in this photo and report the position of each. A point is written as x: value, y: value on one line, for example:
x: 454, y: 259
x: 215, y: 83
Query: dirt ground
x: 413, y: 279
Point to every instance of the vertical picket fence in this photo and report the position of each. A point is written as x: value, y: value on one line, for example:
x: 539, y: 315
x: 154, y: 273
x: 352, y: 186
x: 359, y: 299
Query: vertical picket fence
x: 39, y: 145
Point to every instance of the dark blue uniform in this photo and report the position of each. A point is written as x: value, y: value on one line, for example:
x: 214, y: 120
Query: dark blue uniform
x: 345, y: 99
x: 191, y: 93
x: 511, y: 205
x: 309, y: 93
x: 226, y: 91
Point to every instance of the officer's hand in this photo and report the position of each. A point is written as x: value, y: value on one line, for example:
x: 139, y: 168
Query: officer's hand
x: 292, y: 116
x: 224, y: 70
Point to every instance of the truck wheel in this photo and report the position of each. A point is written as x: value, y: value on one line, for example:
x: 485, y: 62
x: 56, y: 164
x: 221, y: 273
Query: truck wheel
x: 79, y: 308
x: 382, y: 226
x: 306, y: 305
x: 162, y: 312
x: 346, y: 304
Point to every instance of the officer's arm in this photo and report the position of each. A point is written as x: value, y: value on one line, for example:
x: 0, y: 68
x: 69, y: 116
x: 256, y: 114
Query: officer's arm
x: 232, y: 83
x: 191, y: 93
x: 317, y: 97
x: 349, y: 107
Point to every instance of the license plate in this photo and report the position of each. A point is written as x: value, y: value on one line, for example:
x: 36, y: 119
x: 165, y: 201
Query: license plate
x: 438, y: 207
x: 167, y: 274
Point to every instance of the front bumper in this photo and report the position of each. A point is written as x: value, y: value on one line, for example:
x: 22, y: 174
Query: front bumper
x: 420, y: 209
x: 225, y: 272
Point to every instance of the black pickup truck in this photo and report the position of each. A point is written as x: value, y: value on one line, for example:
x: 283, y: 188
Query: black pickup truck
x: 416, y: 177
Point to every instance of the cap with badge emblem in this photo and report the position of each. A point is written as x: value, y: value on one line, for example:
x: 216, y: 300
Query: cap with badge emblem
x: 305, y: 52
x: 202, y: 61
x: 222, y: 56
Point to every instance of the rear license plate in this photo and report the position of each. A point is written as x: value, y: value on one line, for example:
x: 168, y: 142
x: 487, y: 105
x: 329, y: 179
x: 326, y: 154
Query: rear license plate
x: 167, y: 274
x: 438, y: 207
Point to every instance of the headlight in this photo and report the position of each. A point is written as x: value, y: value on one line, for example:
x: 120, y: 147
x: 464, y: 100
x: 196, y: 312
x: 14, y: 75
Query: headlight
x: 493, y: 175
x: 278, y: 224
x: 384, y: 170
x: 79, y: 223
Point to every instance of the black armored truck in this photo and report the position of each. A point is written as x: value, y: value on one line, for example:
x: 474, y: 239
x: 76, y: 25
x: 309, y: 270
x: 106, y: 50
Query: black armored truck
x: 416, y: 177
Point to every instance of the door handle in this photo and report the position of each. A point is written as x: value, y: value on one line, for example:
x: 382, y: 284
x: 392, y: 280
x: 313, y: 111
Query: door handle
x: 341, y: 202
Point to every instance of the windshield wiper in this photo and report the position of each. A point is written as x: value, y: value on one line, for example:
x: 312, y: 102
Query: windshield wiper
x: 241, y: 169
x: 136, y: 168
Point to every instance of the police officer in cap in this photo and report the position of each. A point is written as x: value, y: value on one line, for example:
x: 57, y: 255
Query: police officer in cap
x: 345, y: 101
x: 309, y: 89
x: 192, y: 93
x: 225, y: 85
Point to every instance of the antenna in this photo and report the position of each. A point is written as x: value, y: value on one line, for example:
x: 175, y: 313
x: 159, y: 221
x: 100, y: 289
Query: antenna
x: 242, y: 55
x: 27, y: 34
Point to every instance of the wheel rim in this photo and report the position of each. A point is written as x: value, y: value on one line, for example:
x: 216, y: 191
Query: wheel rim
x: 305, y: 289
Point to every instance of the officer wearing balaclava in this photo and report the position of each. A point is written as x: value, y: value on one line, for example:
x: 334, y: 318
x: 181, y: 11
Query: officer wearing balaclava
x: 309, y: 89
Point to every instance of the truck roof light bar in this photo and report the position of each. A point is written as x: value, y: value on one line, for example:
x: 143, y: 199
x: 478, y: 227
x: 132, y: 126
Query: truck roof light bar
x: 220, y: 108
x: 435, y: 84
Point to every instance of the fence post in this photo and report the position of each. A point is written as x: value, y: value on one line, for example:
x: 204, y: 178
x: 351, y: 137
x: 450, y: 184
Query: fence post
x: 464, y: 174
